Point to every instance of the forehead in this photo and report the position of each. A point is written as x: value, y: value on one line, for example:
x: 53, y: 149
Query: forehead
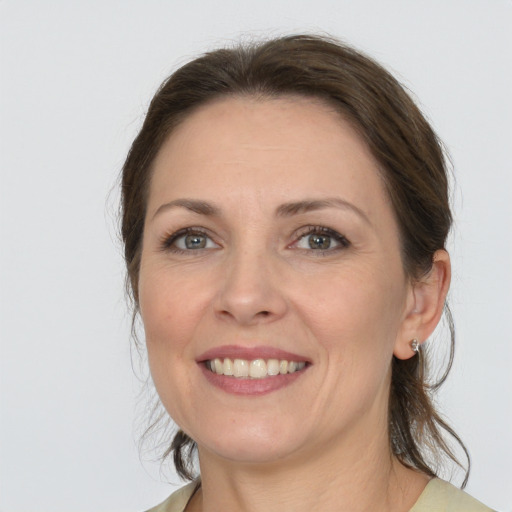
x: 275, y: 148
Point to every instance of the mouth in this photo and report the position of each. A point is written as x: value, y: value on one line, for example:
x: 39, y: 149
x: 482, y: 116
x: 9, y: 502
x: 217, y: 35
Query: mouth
x: 253, y: 369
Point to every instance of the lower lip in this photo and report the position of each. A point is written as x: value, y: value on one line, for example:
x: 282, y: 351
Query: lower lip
x: 241, y: 386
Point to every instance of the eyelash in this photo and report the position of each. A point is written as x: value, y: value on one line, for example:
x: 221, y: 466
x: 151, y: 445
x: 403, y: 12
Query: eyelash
x: 168, y: 241
x: 343, y: 242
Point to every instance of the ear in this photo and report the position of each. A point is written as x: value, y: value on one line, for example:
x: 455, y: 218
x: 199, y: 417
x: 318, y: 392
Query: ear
x: 425, y: 304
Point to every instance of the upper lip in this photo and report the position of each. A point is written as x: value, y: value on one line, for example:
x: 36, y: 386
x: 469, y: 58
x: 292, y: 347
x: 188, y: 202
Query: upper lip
x: 249, y: 353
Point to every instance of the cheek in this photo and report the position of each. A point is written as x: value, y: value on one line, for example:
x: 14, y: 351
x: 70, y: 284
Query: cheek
x: 169, y: 307
x: 354, y: 306
x: 168, y: 323
x: 354, y: 324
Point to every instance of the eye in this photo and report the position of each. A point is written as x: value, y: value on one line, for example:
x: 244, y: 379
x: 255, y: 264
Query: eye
x: 321, y: 239
x: 189, y: 239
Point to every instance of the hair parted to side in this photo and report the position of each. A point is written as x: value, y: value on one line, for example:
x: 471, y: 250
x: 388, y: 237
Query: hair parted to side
x: 412, y: 165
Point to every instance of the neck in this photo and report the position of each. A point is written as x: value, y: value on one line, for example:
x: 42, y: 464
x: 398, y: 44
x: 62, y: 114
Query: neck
x: 343, y: 477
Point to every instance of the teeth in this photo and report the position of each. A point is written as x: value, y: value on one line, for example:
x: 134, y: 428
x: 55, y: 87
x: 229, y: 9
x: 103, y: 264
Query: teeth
x: 228, y: 367
x: 273, y: 367
x: 240, y: 368
x: 256, y: 369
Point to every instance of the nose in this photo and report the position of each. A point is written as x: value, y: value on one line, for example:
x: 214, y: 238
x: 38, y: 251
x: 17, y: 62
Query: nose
x: 251, y: 292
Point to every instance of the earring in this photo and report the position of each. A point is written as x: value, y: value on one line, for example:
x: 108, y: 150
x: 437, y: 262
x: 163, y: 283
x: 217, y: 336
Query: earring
x: 415, y: 345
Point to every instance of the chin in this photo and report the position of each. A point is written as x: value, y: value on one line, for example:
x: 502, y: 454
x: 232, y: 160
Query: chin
x: 256, y: 444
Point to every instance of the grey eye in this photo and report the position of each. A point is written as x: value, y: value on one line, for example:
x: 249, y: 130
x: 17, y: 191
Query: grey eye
x: 191, y: 241
x: 195, y: 241
x: 321, y: 239
x: 318, y: 241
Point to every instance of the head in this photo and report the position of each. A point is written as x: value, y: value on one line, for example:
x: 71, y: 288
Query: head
x: 371, y: 104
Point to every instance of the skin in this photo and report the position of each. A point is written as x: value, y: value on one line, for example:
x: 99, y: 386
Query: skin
x: 316, y: 443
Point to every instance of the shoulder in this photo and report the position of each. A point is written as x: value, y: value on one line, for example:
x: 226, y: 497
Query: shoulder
x: 441, y: 496
x: 438, y: 496
x: 177, y: 501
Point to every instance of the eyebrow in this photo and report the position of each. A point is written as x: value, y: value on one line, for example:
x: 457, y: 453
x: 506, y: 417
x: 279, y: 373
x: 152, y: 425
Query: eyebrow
x: 284, y: 210
x: 200, y: 207
x: 308, y: 205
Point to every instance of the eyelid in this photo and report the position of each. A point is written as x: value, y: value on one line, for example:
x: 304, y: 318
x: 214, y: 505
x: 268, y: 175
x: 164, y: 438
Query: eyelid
x: 341, y: 240
x: 168, y: 240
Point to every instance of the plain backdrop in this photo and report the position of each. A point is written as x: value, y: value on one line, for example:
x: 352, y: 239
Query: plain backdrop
x: 76, y: 79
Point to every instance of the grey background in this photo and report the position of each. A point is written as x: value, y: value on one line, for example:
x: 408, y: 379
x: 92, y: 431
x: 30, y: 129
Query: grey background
x: 75, y: 79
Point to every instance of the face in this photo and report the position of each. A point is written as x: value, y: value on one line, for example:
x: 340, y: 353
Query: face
x: 271, y: 284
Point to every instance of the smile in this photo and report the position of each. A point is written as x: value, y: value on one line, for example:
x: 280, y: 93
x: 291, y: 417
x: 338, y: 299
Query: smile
x: 253, y: 369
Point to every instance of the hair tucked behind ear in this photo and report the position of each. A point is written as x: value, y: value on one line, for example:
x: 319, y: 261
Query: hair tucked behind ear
x: 414, y: 422
x: 412, y: 165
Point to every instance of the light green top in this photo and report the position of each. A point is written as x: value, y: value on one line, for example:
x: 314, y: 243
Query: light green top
x: 438, y: 496
x: 441, y: 496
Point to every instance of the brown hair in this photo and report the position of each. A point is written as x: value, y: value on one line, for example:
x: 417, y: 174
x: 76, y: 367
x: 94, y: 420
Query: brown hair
x: 412, y: 165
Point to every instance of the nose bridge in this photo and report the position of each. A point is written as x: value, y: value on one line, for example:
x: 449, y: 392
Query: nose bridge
x: 250, y: 291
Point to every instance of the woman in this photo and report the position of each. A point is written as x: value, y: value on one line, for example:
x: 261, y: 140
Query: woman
x: 285, y: 213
